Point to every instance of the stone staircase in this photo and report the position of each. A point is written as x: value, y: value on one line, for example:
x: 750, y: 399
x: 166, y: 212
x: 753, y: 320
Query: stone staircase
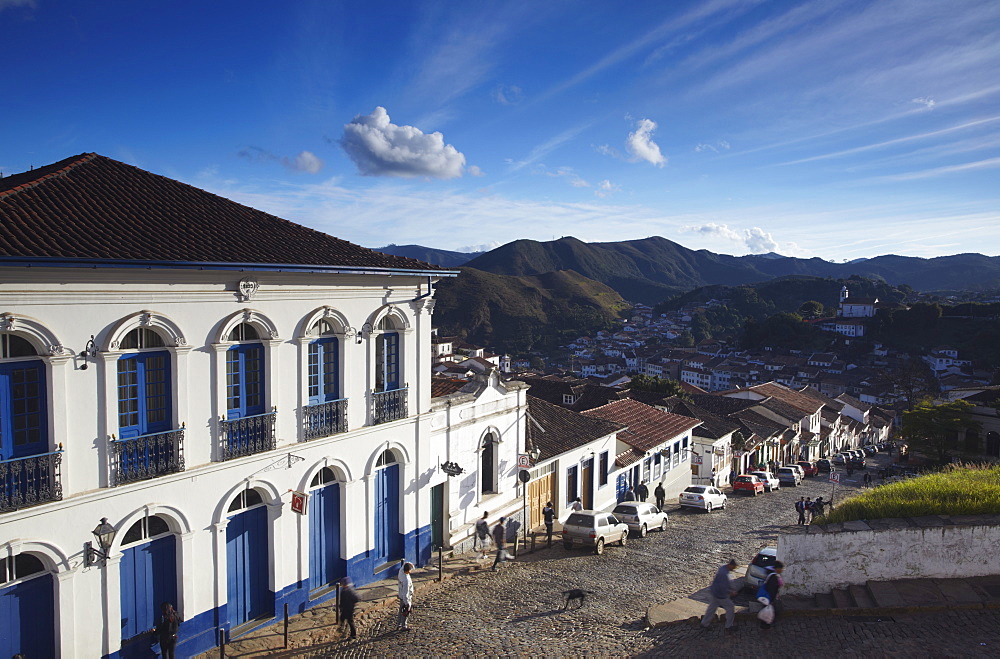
x: 900, y: 596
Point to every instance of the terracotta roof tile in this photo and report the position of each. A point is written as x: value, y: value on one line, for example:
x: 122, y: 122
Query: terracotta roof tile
x: 561, y: 429
x: 647, y: 427
x: 92, y: 207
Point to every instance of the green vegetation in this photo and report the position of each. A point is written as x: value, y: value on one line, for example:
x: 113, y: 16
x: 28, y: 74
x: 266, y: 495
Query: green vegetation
x: 658, y: 385
x: 970, y: 328
x: 958, y: 490
x: 934, y: 429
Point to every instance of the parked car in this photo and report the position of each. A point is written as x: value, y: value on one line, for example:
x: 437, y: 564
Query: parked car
x: 771, y: 482
x: 857, y: 463
x: 641, y: 516
x: 840, y: 459
x: 871, y: 449
x: 702, y: 496
x: 757, y: 570
x: 788, y: 476
x: 824, y: 465
x: 808, y: 467
x: 748, y: 484
x: 800, y: 470
x: 593, y: 528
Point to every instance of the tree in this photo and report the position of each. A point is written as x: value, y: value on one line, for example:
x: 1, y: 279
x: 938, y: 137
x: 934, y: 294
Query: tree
x: 935, y: 429
x: 658, y: 385
x: 811, y: 309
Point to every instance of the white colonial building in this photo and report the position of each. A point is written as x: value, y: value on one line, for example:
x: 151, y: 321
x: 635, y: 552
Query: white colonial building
x: 187, y: 368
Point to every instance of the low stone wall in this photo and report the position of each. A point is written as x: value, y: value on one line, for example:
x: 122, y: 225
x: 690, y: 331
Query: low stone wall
x: 853, y: 553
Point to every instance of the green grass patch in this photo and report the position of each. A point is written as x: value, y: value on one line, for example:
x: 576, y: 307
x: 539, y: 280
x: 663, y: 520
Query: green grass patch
x: 957, y: 490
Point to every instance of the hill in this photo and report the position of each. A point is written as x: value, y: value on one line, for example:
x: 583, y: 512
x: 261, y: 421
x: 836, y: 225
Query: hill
x: 440, y: 257
x: 653, y: 269
x: 518, y: 314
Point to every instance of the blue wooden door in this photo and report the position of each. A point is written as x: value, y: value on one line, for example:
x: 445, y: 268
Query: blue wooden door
x: 325, y: 563
x: 249, y: 597
x: 27, y: 618
x: 23, y: 411
x: 388, y: 545
x: 148, y: 578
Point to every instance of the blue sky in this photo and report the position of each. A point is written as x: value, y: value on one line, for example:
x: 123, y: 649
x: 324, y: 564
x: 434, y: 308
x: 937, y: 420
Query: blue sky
x: 839, y: 129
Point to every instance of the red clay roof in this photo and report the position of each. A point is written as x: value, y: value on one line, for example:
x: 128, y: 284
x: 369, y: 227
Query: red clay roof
x: 92, y: 207
x: 647, y: 427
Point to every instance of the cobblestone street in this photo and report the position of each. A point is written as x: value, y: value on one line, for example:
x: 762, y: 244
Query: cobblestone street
x: 518, y: 610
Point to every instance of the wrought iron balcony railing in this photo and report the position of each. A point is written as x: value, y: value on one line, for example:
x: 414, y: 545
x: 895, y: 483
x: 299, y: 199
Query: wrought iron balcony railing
x: 30, y: 480
x: 248, y: 435
x: 147, y: 456
x: 389, y: 405
x: 325, y: 419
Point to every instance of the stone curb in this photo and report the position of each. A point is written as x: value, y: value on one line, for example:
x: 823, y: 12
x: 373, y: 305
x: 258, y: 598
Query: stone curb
x: 813, y: 613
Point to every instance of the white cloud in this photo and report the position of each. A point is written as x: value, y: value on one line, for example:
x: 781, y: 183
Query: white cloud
x: 306, y: 161
x: 570, y: 175
x: 721, y: 145
x: 17, y: 3
x: 606, y: 187
x: 474, y: 170
x: 381, y: 148
x: 926, y: 102
x: 485, y: 247
x: 507, y: 94
x: 641, y: 145
x: 754, y: 239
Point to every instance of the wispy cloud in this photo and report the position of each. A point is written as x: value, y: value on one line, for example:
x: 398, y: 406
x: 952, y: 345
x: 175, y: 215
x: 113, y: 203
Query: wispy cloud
x: 379, y: 147
x: 989, y: 163
x: 721, y: 145
x: 507, y: 94
x: 605, y: 188
x: 548, y: 146
x: 5, y: 4
x: 306, y: 161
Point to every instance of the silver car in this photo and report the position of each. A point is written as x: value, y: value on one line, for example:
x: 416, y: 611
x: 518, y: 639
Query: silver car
x: 705, y: 497
x: 641, y: 516
x: 757, y: 570
x: 592, y: 528
x: 771, y: 482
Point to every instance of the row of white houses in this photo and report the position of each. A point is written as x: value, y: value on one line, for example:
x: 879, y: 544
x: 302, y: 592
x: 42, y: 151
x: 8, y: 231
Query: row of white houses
x: 183, y: 367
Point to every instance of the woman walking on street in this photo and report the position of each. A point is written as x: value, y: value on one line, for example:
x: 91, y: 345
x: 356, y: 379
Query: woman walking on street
x: 773, y: 584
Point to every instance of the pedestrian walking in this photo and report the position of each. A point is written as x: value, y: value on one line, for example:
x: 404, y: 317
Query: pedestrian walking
x: 482, y: 534
x: 809, y: 510
x: 800, y: 508
x: 405, y: 597
x: 732, y: 477
x: 868, y: 479
x: 772, y: 585
x: 549, y: 515
x: 715, y: 483
x: 500, y: 541
x: 348, y: 603
x: 642, y: 491
x: 577, y: 505
x: 720, y: 594
x: 661, y: 496
x: 819, y: 507
x: 629, y: 494
x: 166, y: 630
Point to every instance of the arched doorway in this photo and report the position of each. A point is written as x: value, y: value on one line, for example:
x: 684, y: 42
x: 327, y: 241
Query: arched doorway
x: 148, y: 572
x: 326, y: 565
x: 993, y: 444
x: 27, y: 607
x: 388, y: 541
x: 247, y: 556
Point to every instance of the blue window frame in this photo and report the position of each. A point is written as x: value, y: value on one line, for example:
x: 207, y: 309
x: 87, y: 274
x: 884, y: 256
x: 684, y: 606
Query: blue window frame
x: 323, y: 371
x: 602, y: 478
x: 244, y: 380
x: 144, y: 395
x: 387, y: 362
x: 23, y: 409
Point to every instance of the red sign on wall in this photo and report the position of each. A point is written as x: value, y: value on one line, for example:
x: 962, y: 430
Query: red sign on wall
x: 299, y: 501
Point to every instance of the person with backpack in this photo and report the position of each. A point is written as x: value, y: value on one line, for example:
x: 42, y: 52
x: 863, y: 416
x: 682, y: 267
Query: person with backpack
x: 482, y: 534
x: 549, y: 515
x: 800, y: 508
x: 770, y: 588
x: 661, y: 496
x: 166, y: 630
x: 500, y: 540
x: 642, y: 491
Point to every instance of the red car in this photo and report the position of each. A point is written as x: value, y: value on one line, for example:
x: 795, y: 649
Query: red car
x: 748, y: 484
x: 809, y: 468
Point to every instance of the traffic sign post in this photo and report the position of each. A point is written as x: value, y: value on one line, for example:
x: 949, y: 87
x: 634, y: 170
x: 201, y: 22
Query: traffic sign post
x: 834, y: 478
x: 523, y: 460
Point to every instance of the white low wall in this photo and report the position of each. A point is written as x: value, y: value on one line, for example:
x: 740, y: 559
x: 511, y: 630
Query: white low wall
x: 854, y: 553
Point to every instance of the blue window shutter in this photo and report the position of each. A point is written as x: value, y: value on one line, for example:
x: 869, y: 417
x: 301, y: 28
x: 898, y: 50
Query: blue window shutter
x: 390, y: 363
x: 144, y: 394
x: 244, y: 380
x: 23, y: 410
x: 323, y: 371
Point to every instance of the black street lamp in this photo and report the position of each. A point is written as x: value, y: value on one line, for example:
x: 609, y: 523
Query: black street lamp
x: 105, y: 535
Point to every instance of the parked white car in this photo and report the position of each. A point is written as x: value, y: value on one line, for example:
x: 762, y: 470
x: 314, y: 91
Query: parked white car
x: 789, y: 476
x: 771, y: 482
x: 705, y: 497
x: 799, y: 470
x: 641, y: 516
x: 757, y: 570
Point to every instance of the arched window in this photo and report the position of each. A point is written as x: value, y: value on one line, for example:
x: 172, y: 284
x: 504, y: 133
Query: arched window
x: 144, y: 395
x: 488, y: 464
x: 244, y: 373
x: 387, y: 370
x: 23, y: 403
x: 246, y: 499
x: 324, y: 476
x: 323, y: 364
x: 145, y: 529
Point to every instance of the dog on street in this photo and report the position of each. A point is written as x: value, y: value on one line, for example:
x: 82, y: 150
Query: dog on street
x: 577, y: 594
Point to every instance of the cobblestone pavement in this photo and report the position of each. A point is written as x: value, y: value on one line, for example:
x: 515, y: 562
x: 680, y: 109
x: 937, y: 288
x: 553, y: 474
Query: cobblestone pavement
x: 517, y: 611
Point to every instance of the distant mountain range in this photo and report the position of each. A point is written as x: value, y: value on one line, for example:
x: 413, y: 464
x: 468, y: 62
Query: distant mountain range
x: 441, y: 257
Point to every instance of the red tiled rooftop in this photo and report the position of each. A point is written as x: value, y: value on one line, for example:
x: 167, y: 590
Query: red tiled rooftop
x: 647, y: 427
x: 93, y: 207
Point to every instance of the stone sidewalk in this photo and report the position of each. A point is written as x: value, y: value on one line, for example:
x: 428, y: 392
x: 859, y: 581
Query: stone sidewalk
x: 318, y: 625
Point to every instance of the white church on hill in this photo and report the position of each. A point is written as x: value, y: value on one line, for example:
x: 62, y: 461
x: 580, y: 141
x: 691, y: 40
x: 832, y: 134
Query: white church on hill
x: 204, y: 404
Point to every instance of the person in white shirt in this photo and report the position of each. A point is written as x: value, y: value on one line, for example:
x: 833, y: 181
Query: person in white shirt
x: 576, y: 505
x: 405, y: 596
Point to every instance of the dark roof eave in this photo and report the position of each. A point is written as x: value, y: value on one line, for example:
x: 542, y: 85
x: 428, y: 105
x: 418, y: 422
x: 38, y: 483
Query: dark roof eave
x: 43, y: 262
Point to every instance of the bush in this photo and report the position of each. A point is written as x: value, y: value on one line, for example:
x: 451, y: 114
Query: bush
x: 957, y: 490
